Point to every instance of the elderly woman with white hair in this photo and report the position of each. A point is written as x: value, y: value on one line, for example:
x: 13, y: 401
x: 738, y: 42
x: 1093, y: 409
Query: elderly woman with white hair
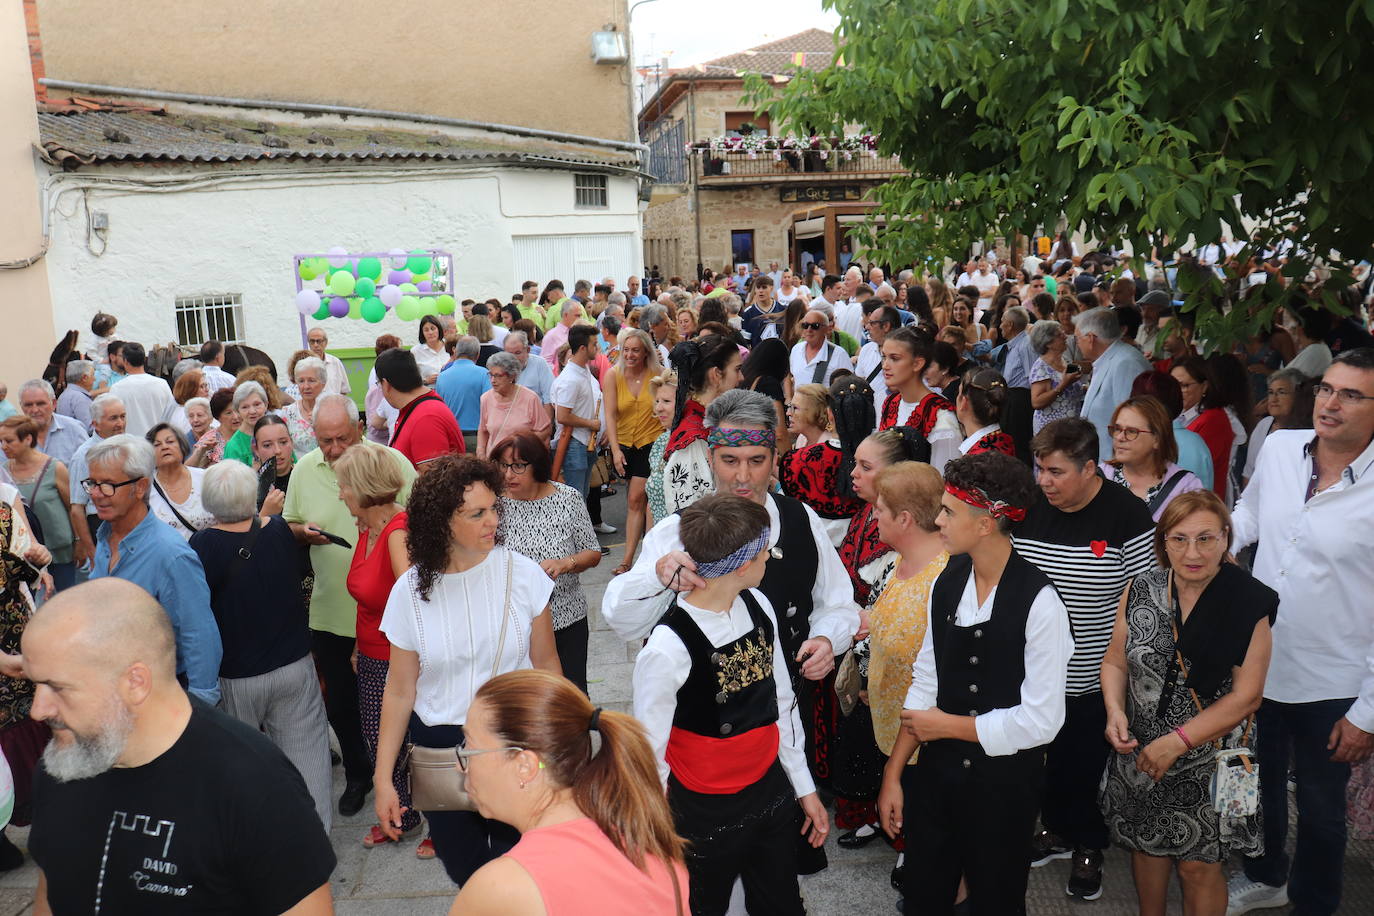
x: 508, y: 408
x: 250, y: 403
x: 1056, y: 392
x: 266, y: 676
x: 310, y: 379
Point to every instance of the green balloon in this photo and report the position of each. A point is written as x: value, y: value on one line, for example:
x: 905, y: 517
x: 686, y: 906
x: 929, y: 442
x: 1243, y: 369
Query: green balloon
x: 419, y: 278
x: 370, y: 268
x: 307, y: 270
x: 355, y: 308
x: 373, y: 310
x: 341, y: 283
x: 445, y: 303
x: 408, y: 309
x: 322, y: 312
x: 419, y: 263
x: 364, y: 287
x: 409, y: 288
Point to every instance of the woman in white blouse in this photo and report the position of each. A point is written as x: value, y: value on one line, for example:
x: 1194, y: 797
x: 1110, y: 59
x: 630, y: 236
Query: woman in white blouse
x: 175, y: 497
x: 309, y: 376
x: 430, y: 354
x: 465, y: 612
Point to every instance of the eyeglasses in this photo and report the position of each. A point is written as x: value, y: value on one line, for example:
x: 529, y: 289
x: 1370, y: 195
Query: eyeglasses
x: 104, y: 488
x: 465, y: 752
x: 1349, y: 397
x: 1129, y: 433
x: 1280, y: 392
x: 518, y: 467
x: 1206, y: 542
x: 811, y: 325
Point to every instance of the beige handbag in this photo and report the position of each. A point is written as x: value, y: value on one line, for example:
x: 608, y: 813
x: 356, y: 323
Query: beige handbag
x: 436, y: 782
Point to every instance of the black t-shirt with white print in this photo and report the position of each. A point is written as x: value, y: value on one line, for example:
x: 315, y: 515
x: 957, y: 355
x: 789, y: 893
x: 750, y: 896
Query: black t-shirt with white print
x: 219, y: 823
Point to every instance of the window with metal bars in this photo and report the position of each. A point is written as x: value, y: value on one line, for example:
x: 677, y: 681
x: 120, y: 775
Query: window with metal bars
x: 589, y: 191
x: 202, y: 318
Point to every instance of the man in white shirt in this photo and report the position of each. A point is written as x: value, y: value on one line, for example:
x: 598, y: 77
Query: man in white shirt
x: 577, y: 408
x: 1309, y: 507
x: 815, y: 358
x: 878, y: 323
x: 336, y: 378
x: 1309, y: 327
x: 212, y: 365
x: 775, y: 274
x: 849, y: 313
x: 147, y: 399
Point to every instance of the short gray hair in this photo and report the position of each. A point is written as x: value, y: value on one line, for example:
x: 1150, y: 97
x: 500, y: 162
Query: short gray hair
x: 740, y: 407
x: 468, y: 347
x: 329, y: 401
x: 77, y: 369
x: 229, y: 492
x: 825, y: 308
x: 1102, y: 323
x: 1291, y: 376
x: 519, y: 337
x: 1042, y: 334
x: 1019, y: 315
x: 506, y: 362
x: 184, y: 366
x: 312, y: 364
x: 133, y: 454
x: 41, y: 384
x: 616, y: 298
x: 246, y: 390
x: 651, y: 315
x: 569, y: 306
x: 105, y: 402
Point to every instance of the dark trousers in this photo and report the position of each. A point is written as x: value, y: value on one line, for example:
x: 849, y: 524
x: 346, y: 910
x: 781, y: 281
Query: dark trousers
x: 970, y: 815
x: 332, y: 653
x: 571, y: 642
x: 1074, y: 763
x: 1017, y: 414
x: 1299, y: 732
x: 748, y: 835
x: 463, y: 840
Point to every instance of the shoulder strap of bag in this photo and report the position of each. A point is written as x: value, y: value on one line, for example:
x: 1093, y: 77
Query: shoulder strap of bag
x: 1183, y: 670
x: 245, y: 551
x: 1168, y: 487
x: 32, y: 499
x: 505, y: 615
x: 181, y: 518
x: 874, y: 374
x: 818, y: 374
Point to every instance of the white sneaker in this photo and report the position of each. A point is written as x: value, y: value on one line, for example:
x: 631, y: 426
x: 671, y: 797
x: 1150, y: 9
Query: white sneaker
x: 1244, y: 895
x: 604, y: 528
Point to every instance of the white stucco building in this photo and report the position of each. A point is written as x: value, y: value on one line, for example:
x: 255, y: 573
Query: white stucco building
x: 159, y: 211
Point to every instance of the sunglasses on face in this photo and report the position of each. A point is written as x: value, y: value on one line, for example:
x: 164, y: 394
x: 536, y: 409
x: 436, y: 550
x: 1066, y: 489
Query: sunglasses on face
x: 811, y: 325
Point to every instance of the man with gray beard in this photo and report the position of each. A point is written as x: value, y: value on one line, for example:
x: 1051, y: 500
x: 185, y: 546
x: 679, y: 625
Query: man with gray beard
x: 147, y: 800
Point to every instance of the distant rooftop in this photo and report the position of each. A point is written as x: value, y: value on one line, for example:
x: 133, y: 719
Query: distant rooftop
x: 813, y: 49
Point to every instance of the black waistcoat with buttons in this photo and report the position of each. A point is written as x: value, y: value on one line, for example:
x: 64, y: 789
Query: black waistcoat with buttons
x: 730, y: 688
x: 789, y: 579
x: 980, y: 668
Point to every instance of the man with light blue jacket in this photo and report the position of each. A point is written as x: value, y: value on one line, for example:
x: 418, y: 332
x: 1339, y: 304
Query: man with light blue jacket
x: 1116, y: 364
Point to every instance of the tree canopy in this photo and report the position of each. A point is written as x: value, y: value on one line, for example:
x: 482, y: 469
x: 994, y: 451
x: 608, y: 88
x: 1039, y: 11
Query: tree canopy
x: 1139, y: 121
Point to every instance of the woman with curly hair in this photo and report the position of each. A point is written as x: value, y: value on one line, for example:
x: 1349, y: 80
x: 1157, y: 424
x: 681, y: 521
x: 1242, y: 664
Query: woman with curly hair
x: 466, y: 611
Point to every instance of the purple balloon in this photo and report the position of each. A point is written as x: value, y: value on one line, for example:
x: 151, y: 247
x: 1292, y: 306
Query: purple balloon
x: 338, y: 307
x: 425, y: 287
x: 398, y: 277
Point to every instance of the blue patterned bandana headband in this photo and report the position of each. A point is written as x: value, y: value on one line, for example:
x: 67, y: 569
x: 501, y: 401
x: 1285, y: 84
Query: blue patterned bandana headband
x: 734, y: 561
x: 726, y: 437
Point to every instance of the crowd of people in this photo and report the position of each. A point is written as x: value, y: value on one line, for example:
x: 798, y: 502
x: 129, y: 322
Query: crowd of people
x: 1003, y: 567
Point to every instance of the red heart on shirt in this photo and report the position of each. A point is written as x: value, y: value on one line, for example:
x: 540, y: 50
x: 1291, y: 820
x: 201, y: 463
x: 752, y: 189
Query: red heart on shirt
x: 1099, y: 548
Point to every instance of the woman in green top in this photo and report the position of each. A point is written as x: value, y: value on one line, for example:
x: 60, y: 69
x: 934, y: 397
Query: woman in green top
x: 250, y: 403
x: 46, y: 489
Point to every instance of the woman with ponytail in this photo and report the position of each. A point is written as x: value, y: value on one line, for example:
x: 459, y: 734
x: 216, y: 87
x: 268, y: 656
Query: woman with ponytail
x: 581, y: 785
x: 978, y: 408
x: 706, y: 368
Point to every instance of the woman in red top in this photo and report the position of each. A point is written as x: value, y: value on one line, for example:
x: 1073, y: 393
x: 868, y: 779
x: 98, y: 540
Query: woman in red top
x: 979, y: 409
x: 1205, y: 414
x: 369, y: 484
x: 813, y: 473
x: 906, y: 355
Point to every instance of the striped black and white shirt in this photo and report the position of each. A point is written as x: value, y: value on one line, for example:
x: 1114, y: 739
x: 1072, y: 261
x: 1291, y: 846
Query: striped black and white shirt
x: 1090, y: 555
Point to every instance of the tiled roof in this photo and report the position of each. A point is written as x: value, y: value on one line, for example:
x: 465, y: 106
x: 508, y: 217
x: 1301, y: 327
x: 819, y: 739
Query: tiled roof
x: 73, y: 138
x: 816, y: 47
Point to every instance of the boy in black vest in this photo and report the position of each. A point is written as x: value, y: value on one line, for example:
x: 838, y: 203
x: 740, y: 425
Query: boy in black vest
x: 712, y: 690
x: 987, y: 695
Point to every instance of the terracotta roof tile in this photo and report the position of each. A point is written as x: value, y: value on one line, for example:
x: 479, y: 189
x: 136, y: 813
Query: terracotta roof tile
x: 816, y: 47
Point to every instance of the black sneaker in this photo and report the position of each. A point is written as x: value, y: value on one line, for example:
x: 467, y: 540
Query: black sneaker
x: 1045, y: 848
x: 1085, y: 875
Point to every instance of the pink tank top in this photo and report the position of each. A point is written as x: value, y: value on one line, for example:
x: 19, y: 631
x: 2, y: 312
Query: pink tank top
x: 568, y: 860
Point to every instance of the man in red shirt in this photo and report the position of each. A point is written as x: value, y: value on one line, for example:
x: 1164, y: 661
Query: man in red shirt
x: 425, y: 428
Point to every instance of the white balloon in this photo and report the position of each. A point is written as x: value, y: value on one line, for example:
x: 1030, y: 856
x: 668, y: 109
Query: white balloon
x: 390, y: 295
x: 399, y: 257
x: 307, y: 301
x: 338, y: 256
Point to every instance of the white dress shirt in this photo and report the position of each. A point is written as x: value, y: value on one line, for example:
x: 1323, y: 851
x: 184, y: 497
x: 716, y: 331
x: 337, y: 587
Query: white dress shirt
x: 636, y: 601
x: 335, y: 376
x: 870, y: 358
x: 831, y: 355
x: 663, y: 665
x: 216, y: 378
x: 849, y: 317
x: 1315, y: 554
x: 147, y: 402
x: 1049, y: 644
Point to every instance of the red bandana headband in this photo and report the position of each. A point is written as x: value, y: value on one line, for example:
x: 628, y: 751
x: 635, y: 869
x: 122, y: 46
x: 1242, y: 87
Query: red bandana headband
x: 979, y: 500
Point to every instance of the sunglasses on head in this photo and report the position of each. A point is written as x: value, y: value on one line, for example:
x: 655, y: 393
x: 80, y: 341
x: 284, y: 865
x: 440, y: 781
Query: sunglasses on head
x: 811, y: 325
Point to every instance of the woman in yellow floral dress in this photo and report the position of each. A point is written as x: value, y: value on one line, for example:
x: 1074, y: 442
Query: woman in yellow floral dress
x: 908, y: 500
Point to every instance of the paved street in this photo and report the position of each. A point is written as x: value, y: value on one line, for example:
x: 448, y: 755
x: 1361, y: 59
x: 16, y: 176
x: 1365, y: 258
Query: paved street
x: 390, y: 881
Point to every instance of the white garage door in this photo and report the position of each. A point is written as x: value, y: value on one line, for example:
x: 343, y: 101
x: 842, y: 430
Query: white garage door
x: 574, y: 257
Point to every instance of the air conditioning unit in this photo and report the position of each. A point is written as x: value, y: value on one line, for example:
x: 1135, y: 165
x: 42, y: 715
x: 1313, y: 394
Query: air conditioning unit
x: 609, y: 47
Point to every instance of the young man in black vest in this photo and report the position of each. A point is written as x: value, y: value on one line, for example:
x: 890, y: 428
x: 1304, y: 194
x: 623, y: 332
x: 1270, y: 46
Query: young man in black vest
x: 805, y: 583
x: 712, y: 690
x: 987, y: 695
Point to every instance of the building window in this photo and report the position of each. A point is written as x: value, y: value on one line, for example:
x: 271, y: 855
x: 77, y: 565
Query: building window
x: 589, y: 191
x: 756, y: 124
x: 202, y: 318
x: 742, y: 246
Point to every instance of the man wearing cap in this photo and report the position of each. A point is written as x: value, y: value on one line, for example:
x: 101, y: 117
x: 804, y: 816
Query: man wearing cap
x: 1152, y: 305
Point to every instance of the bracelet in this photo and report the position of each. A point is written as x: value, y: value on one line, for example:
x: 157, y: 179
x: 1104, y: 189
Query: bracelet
x: 1184, y: 737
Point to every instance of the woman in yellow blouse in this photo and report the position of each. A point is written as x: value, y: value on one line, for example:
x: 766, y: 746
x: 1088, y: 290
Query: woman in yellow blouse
x: 631, y: 427
x: 908, y: 500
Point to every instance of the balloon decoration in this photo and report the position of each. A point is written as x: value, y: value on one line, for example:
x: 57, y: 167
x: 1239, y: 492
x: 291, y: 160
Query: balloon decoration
x: 307, y: 302
x: 397, y: 277
x: 398, y: 258
x: 338, y: 306
x: 390, y: 295
x: 419, y: 262
x: 409, y: 309
x: 370, y: 268
x: 409, y: 288
x: 338, y: 256
x: 355, y: 308
x: 341, y: 283
x: 365, y: 287
x: 373, y: 311
x: 446, y: 304
x: 322, y: 312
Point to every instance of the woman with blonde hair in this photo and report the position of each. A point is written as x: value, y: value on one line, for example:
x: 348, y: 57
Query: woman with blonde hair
x: 581, y: 785
x: 631, y: 427
x: 276, y: 398
x: 664, y: 390
x: 941, y: 301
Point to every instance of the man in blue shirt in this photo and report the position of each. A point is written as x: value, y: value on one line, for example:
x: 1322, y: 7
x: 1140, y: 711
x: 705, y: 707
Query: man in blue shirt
x: 633, y: 295
x: 1116, y: 364
x: 58, y: 436
x: 134, y: 545
x: 461, y: 384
